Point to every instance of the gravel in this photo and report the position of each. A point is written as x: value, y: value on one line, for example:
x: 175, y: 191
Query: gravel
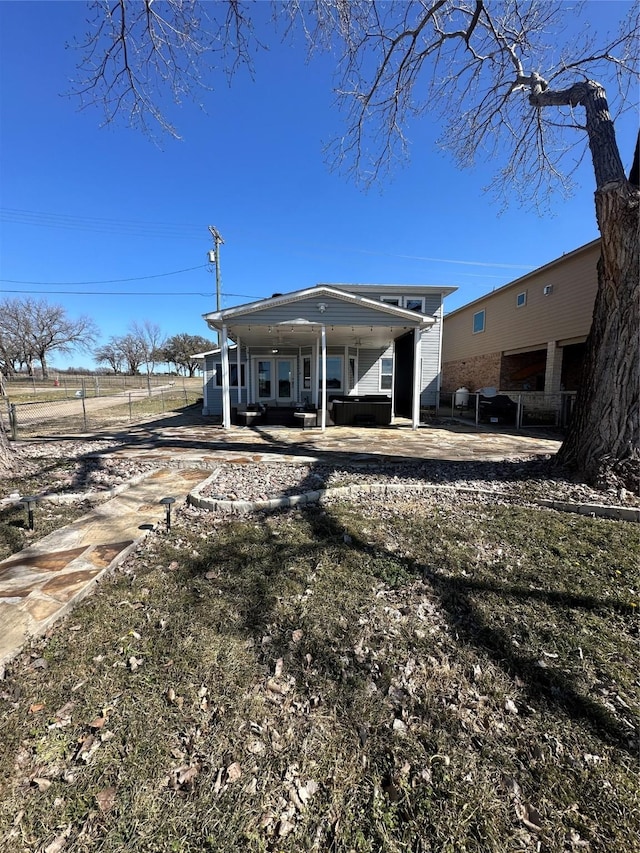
x: 65, y: 467
x: 526, y: 479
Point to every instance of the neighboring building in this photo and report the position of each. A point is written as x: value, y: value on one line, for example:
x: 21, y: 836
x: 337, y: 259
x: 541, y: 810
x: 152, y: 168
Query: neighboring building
x: 528, y: 335
x: 328, y: 341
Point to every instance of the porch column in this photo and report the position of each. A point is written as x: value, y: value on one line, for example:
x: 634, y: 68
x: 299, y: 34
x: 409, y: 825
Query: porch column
x: 205, y: 389
x: 315, y: 373
x: 238, y: 371
x: 417, y: 378
x: 323, y: 342
x: 226, y: 402
x: 553, y: 372
x: 248, y: 377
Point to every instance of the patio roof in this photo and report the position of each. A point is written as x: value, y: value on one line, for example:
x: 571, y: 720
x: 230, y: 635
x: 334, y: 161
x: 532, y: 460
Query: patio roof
x: 368, y: 323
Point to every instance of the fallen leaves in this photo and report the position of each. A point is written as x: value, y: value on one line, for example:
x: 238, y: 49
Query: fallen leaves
x: 106, y: 799
x: 59, y: 842
x: 183, y: 777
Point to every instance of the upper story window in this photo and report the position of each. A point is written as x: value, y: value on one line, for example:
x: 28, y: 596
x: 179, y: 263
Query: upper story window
x: 521, y: 299
x: 414, y: 303
x: 478, y: 322
x: 391, y: 300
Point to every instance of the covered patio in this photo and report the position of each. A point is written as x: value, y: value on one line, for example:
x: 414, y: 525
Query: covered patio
x: 318, y: 347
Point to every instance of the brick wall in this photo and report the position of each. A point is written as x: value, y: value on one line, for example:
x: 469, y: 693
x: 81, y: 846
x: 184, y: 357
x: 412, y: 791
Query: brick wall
x: 479, y: 371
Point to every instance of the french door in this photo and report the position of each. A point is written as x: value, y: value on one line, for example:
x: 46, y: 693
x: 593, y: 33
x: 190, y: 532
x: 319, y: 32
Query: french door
x: 276, y: 380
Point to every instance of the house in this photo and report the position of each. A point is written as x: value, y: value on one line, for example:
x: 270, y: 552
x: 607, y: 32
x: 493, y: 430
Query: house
x: 528, y: 336
x: 338, y: 346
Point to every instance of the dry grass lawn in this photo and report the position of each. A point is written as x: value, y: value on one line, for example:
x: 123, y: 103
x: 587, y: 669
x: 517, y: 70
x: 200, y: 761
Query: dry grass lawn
x: 434, y: 675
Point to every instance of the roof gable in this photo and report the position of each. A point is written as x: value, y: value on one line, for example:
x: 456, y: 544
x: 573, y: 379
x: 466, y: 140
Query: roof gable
x: 315, y: 298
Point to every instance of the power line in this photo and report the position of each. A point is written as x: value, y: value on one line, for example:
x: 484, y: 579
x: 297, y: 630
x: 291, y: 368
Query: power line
x: 110, y: 293
x: 127, y: 227
x: 105, y: 281
x: 168, y: 230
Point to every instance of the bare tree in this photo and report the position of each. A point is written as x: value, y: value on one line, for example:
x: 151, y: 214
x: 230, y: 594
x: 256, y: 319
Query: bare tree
x: 12, y: 338
x: 138, y: 53
x: 39, y: 328
x: 504, y: 86
x: 132, y: 350
x: 111, y: 354
x: 152, y: 339
x: 30, y: 330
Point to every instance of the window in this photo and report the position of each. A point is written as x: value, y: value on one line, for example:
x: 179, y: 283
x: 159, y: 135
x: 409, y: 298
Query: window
x: 334, y: 373
x: 390, y: 300
x: 521, y: 299
x: 386, y: 374
x: 264, y: 379
x: 233, y: 375
x: 352, y: 372
x: 547, y: 289
x: 478, y: 322
x: 414, y: 304
x: 306, y: 372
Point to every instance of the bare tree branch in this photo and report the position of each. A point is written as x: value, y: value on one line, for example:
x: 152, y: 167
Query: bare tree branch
x: 137, y: 55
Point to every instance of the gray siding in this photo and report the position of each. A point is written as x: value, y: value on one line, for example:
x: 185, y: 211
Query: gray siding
x: 337, y: 312
x: 369, y: 370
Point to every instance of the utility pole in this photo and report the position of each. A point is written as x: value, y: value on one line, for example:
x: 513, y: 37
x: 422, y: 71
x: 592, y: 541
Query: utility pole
x: 214, y: 257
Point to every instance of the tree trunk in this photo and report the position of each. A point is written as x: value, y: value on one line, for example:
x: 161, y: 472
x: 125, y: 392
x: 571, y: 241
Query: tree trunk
x: 603, y: 441
x: 7, y: 461
x: 604, y: 437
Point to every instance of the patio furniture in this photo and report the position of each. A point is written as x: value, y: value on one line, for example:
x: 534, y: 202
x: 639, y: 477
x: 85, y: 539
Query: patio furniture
x: 367, y: 409
x: 307, y: 418
x: 248, y: 418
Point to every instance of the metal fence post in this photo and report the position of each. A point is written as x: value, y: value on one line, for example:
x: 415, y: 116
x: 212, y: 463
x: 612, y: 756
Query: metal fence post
x: 184, y: 388
x: 477, y: 409
x: 84, y: 411
x: 519, y: 413
x: 162, y: 399
x: 13, y: 421
x: 130, y: 409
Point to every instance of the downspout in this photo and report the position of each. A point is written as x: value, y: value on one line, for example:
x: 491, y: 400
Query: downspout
x: 226, y: 402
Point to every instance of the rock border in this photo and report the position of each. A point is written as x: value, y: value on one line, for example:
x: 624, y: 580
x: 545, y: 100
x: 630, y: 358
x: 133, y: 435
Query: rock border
x: 240, y: 507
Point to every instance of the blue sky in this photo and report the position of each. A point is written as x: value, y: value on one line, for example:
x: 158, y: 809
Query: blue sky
x: 94, y: 218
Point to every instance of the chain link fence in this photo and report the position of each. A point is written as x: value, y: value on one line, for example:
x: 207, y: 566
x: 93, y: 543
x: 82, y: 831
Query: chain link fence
x: 82, y: 404
x: 521, y: 409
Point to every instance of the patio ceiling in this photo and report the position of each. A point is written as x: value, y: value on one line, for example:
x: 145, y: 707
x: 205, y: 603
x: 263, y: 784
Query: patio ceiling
x: 302, y: 333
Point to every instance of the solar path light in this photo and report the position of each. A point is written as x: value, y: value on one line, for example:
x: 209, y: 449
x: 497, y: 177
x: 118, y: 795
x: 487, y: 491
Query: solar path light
x: 29, y: 501
x: 167, y: 502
